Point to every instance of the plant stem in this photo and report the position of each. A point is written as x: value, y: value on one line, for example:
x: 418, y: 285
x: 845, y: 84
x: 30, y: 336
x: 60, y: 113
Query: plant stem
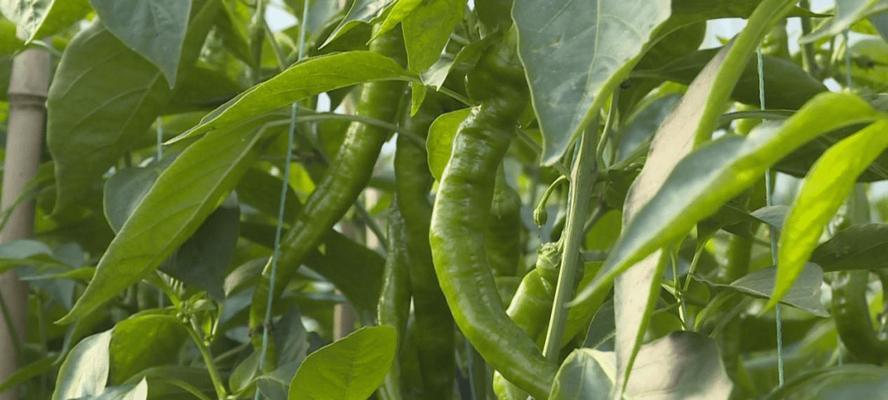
x: 582, y: 176
x: 215, y: 377
x: 809, y: 58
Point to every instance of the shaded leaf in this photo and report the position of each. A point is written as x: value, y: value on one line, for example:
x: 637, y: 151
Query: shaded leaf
x: 857, y: 247
x: 143, y: 341
x: 360, y: 11
x: 584, y: 374
x: 155, y: 29
x: 440, y: 140
x: 348, y: 369
x: 41, y: 18
x: 569, y: 81
x: 849, y: 381
x: 847, y: 13
x: 138, y: 391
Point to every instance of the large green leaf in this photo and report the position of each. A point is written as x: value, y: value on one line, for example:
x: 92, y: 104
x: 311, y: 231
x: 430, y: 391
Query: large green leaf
x: 575, y: 53
x: 847, y: 13
x: 143, y: 341
x: 696, y: 372
x: 825, y: 189
x: 178, y: 202
x: 310, y: 77
x: 93, y: 119
x: 155, y: 29
x: 42, y: 18
x: 85, y: 370
x: 857, y: 247
x: 349, y: 369
x: 706, y: 179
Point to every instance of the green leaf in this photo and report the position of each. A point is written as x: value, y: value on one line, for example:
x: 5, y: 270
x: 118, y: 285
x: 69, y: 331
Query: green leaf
x: 361, y: 11
x: 181, y: 199
x: 27, y: 372
x: 42, y: 18
x: 825, y: 189
x: 804, y: 293
x: 93, y: 120
x: 575, y: 53
x: 427, y: 30
x: 706, y: 179
x: 847, y: 13
x: 125, y: 190
x: 310, y: 77
x: 349, y: 369
x: 352, y: 268
x: 439, y: 143
x: 787, y: 86
x: 155, y: 29
x: 584, y: 374
x: 85, y: 370
x: 143, y: 341
x: 850, y: 381
x: 857, y: 247
x: 9, y: 42
x: 396, y: 15
x: 203, y: 260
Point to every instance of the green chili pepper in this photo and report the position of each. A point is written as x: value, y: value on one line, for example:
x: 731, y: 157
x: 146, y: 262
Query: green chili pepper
x: 394, y: 298
x: 504, y: 232
x: 346, y: 177
x: 433, y: 332
x: 459, y: 217
x: 851, y: 313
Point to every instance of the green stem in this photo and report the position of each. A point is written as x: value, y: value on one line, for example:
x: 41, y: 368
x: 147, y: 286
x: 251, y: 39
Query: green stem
x: 215, y: 377
x: 582, y: 176
x: 10, y: 326
x: 809, y: 59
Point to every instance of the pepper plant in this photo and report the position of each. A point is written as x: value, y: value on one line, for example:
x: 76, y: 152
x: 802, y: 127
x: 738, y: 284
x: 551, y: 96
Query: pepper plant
x: 442, y: 199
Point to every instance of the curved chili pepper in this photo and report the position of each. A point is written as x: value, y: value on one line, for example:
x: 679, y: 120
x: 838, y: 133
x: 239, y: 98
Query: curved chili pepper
x: 433, y: 325
x: 851, y: 313
x: 459, y: 217
x: 394, y: 298
x: 346, y: 177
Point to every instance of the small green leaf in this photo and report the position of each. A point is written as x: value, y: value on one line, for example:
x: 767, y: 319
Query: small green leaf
x: 857, y: 247
x: 575, y: 53
x: 825, y: 189
x: 155, y: 29
x: 804, y: 293
x: 585, y: 374
x: 396, y: 15
x: 361, y: 11
x: 427, y: 30
x: 439, y: 143
x: 181, y: 199
x: 27, y: 372
x: 42, y: 18
x: 85, y: 370
x: 310, y: 77
x: 349, y: 369
x: 124, y: 191
x: 706, y: 179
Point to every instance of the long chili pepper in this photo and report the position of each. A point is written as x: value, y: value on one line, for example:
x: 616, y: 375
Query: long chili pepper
x: 394, y: 298
x: 433, y: 325
x: 459, y: 218
x: 851, y: 313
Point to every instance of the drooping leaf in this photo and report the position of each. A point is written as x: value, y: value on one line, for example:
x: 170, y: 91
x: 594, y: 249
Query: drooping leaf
x: 689, y: 194
x: 154, y: 29
x: 179, y: 201
x: 92, y: 120
x: 825, y: 189
x: 400, y: 10
x: 26, y: 372
x: 847, y: 13
x: 804, y: 294
x: 310, y: 77
x: 575, y: 53
x: 348, y: 369
x: 440, y: 140
x: 143, y: 341
x: 42, y: 18
x: 857, y: 247
x: 85, y: 371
